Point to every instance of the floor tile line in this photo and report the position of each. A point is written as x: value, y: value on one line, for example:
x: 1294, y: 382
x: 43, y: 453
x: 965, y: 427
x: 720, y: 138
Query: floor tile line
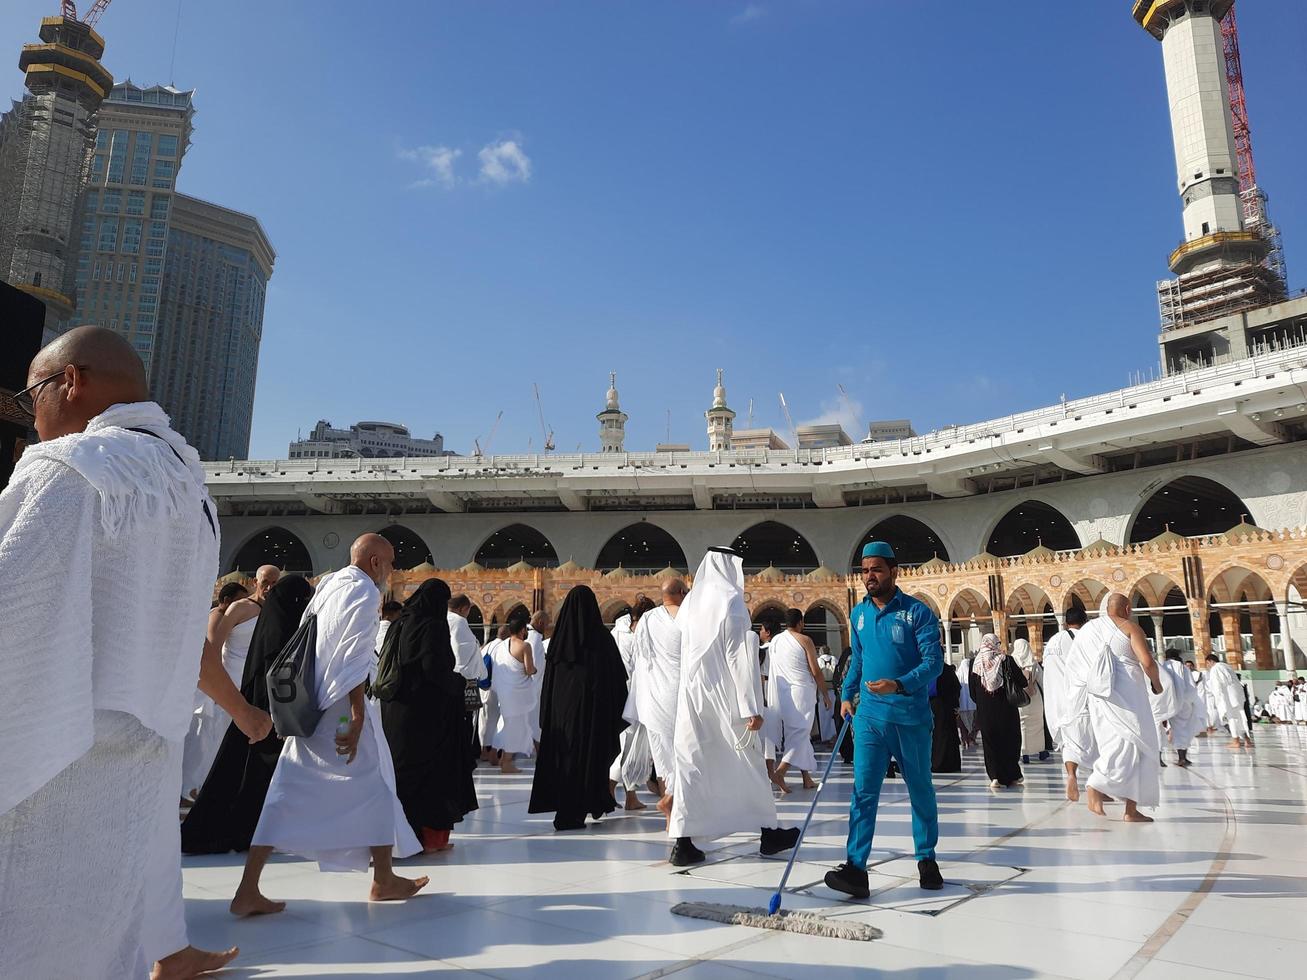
x: 1167, y: 930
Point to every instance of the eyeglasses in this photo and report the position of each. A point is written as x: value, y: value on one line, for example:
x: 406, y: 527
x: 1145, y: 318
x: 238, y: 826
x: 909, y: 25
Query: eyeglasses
x: 26, y: 399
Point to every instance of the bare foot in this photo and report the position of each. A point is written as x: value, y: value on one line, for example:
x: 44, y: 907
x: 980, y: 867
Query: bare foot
x: 1072, y: 789
x: 1095, y: 803
x: 508, y: 769
x: 1236, y: 744
x: 1136, y: 817
x: 396, y: 889
x: 255, y: 904
x: 633, y: 803
x: 192, y: 962
x: 808, y: 782
x: 780, y: 784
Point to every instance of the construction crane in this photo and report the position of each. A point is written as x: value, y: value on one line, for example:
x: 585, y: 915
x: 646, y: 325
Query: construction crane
x: 92, y: 16
x: 789, y: 421
x: 489, y: 439
x: 545, y: 431
x: 1254, y: 198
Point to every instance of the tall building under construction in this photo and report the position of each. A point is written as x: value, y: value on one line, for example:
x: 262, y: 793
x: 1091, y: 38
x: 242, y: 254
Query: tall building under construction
x: 46, y: 141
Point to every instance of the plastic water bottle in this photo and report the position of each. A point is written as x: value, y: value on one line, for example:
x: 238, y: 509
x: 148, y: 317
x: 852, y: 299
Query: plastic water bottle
x: 342, y: 726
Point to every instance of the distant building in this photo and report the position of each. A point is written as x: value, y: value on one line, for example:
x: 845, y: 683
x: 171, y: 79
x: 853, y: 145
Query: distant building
x: 757, y: 439
x: 215, y: 283
x: 46, y: 140
x: 821, y: 436
x: 612, y: 421
x: 721, y: 420
x: 889, y: 430
x: 366, y: 439
x: 672, y: 447
x: 125, y: 211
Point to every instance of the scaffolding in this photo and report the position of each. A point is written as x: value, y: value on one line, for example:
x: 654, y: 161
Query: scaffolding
x: 1214, y: 293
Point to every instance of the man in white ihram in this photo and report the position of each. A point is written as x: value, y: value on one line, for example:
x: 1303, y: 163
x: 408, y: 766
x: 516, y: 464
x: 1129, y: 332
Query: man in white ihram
x: 719, y: 785
x: 658, y: 679
x: 108, y: 552
x: 1066, y: 702
x: 332, y: 797
x: 1121, y: 677
x: 1225, y: 689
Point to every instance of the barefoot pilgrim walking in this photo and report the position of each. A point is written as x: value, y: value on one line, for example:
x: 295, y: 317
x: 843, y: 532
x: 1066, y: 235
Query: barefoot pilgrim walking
x: 332, y: 798
x: 896, y: 655
x: 794, y: 684
x: 109, y: 548
x: 658, y: 666
x: 632, y: 766
x: 515, y: 693
x: 1120, y: 678
x: 719, y: 784
x: 1227, y: 695
x: 1066, y: 702
x: 581, y: 701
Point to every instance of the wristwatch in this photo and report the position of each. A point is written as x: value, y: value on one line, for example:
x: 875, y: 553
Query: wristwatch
x: 899, y: 688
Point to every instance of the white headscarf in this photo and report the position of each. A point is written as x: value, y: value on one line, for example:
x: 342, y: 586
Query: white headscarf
x: 989, y: 662
x: 716, y: 599
x: 1023, y: 654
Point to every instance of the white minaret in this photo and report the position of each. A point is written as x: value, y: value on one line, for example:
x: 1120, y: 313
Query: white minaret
x: 1202, y: 128
x: 612, y: 421
x: 720, y: 419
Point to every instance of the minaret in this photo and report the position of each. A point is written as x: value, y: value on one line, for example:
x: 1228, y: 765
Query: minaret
x: 612, y: 421
x: 720, y: 419
x: 1219, y: 261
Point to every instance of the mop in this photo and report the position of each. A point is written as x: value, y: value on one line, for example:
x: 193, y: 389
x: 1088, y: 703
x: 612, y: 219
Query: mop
x: 774, y: 917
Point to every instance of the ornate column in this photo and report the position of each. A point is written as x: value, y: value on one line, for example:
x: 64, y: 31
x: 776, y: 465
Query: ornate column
x: 1199, y: 617
x: 1233, y: 641
x: 1261, y: 629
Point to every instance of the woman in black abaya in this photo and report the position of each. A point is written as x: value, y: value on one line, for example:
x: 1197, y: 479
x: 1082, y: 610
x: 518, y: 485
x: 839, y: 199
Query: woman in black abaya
x: 945, y: 695
x: 992, y: 672
x: 424, y: 721
x: 581, y: 705
x: 227, y: 810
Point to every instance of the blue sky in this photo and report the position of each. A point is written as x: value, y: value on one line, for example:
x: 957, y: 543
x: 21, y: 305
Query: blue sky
x: 953, y: 212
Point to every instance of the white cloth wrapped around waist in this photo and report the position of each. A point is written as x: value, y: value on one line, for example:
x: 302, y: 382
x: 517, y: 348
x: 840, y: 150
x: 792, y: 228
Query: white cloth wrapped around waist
x: 513, y: 688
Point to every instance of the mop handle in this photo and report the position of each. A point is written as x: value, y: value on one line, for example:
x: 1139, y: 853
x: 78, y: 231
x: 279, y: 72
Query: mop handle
x: 839, y: 739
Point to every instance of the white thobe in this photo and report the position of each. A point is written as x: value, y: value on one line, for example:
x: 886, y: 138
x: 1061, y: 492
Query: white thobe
x: 1189, y: 715
x: 1072, y: 653
x: 489, y: 720
x: 1210, y: 706
x: 1227, y: 694
x: 792, y: 693
x: 720, y: 785
x: 516, y: 695
x: 658, y: 666
x: 538, y: 652
x: 1128, y: 766
x: 631, y: 767
x: 108, y: 563
x: 318, y: 805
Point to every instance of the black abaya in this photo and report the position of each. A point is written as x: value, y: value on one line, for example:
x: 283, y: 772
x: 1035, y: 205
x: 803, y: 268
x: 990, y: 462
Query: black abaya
x: 999, y: 724
x: 946, y: 749
x: 581, y: 704
x: 424, y: 723
x: 229, y: 803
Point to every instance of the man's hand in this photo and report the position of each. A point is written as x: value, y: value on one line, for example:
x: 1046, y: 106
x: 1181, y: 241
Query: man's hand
x: 846, y: 709
x: 755, y: 723
x: 882, y: 687
x: 825, y: 700
x: 348, y: 744
x: 255, y: 724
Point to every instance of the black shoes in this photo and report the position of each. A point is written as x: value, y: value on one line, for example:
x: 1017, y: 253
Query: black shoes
x: 684, y: 853
x: 928, y: 870
x: 777, y: 839
x: 849, y: 880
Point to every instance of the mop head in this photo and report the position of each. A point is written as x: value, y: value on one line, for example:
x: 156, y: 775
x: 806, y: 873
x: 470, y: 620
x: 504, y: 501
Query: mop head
x: 806, y: 923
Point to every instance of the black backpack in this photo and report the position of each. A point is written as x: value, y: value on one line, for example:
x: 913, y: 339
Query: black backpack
x: 293, y: 683
x: 385, y: 686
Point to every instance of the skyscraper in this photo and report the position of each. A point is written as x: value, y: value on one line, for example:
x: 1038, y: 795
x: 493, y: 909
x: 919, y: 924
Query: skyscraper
x: 206, y: 352
x: 45, y: 145
x: 143, y: 134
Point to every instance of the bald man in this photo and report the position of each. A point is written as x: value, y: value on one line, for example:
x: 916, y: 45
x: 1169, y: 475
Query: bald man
x: 108, y: 549
x: 332, y: 797
x: 1120, y: 679
x: 221, y: 665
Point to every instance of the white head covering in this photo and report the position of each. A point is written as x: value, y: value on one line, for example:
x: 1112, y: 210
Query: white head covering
x: 715, y: 606
x: 1023, y: 654
x: 989, y: 662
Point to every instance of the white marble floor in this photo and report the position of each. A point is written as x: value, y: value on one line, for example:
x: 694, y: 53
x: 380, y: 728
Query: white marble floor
x: 1216, y: 888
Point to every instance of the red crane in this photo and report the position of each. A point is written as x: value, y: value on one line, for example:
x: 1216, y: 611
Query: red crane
x: 92, y: 16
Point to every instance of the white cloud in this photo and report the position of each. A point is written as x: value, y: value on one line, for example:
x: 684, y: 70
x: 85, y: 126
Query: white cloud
x: 504, y: 162
x: 751, y: 12
x: 847, y: 412
x: 438, y: 161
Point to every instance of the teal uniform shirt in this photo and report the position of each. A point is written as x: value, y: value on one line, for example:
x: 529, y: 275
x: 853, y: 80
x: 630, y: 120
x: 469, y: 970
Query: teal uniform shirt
x: 899, y: 642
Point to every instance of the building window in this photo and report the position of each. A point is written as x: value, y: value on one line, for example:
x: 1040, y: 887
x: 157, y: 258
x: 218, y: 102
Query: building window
x: 108, y: 235
x: 1206, y: 228
x: 136, y: 202
x: 159, y: 207
x: 112, y: 202
x: 167, y: 146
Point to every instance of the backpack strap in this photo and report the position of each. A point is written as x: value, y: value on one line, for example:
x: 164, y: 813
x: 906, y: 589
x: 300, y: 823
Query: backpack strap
x: 208, y: 515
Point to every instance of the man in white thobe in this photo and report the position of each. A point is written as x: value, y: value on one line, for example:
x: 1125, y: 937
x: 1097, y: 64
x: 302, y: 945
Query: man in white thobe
x: 332, y: 797
x: 1227, y: 693
x: 1190, y: 711
x: 1121, y: 676
x: 633, y: 763
x: 468, y: 661
x: 108, y: 552
x: 658, y: 679
x: 719, y: 783
x: 540, y: 622
x: 1066, y: 704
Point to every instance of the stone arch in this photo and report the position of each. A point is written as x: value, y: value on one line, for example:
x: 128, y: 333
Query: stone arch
x: 477, y: 622
x: 410, y: 548
x: 773, y: 543
x: 513, y: 543
x: 966, y: 607
x: 1190, y: 506
x: 273, y: 545
x: 1029, y: 612
x: 914, y: 542
x: 1242, y: 606
x: 1231, y: 580
x: 1029, y: 524
x: 613, y: 609
x: 1161, y: 609
x: 642, y: 546
x: 1087, y: 593
x: 928, y: 600
x: 1293, y: 626
x: 505, y: 609
x: 831, y: 630
x: 776, y: 604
